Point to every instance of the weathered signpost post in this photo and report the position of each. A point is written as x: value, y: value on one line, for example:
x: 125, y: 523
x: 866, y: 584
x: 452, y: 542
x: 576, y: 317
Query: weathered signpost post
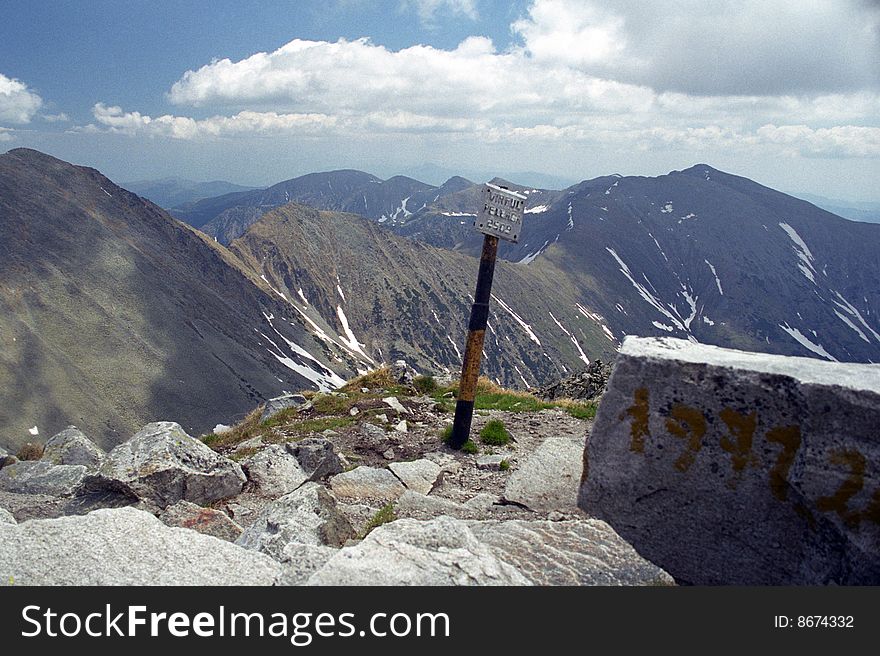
x: 500, y: 216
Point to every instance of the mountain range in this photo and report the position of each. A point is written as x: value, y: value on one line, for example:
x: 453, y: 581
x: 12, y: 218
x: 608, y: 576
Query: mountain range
x: 114, y: 313
x: 172, y: 191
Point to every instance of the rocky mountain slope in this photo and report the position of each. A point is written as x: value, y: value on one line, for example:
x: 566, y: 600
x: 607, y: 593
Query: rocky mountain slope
x: 703, y: 255
x: 112, y: 314
x: 388, y: 297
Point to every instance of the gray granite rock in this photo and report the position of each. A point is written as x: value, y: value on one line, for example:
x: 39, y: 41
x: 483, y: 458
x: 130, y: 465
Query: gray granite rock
x: 367, y: 483
x: 163, y: 465
x: 306, y: 516
x: 39, y: 477
x: 579, y: 552
x: 6, y: 517
x: 727, y: 467
x: 72, y: 447
x: 548, y: 477
x: 33, y: 506
x: 184, y: 514
x: 274, y: 471
x: 417, y: 475
x: 300, y: 561
x: 443, y: 551
x: 125, y: 547
x: 394, y: 403
x: 489, y: 462
x: 317, y: 457
x: 283, y: 402
x: 419, y: 506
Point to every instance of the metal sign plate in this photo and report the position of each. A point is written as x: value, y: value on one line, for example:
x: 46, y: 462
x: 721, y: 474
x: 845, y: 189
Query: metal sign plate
x: 501, y: 213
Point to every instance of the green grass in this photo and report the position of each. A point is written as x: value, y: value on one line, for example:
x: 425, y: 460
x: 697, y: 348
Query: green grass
x: 504, y: 465
x: 579, y: 410
x: 384, y: 515
x: 470, y: 447
x: 280, y: 418
x: 331, y: 404
x: 446, y: 433
x: 494, y: 433
x: 425, y: 385
x: 467, y: 447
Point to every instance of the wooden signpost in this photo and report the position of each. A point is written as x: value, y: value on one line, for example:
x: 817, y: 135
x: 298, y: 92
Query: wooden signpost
x: 500, y: 216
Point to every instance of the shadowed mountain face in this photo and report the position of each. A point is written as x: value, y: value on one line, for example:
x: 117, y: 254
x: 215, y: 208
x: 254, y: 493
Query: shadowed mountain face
x: 113, y: 314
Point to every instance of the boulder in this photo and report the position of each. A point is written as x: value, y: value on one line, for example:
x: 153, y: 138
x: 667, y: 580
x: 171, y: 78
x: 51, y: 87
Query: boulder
x: 548, y: 478
x: 72, y: 447
x: 39, y: 477
x: 125, y: 546
x: 417, y: 475
x: 585, y: 385
x: 6, y: 517
x: 443, y: 551
x: 274, y: 471
x: 283, y: 402
x: 419, y: 506
x: 184, y: 514
x: 317, y: 457
x: 306, y: 516
x: 163, y: 465
x: 367, y: 483
x: 727, y: 467
x: 33, y: 506
x: 393, y: 403
x: 579, y: 552
x: 402, y: 373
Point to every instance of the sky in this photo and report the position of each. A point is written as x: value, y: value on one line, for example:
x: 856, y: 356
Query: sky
x: 786, y: 92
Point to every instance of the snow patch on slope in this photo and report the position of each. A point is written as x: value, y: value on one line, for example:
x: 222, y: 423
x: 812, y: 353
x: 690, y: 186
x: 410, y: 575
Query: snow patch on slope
x: 526, y: 327
x: 574, y: 341
x: 717, y: 279
x: 804, y: 341
x: 803, y: 252
x: 350, y: 341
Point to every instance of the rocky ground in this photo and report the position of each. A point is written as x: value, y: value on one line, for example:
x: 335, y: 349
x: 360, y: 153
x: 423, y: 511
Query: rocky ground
x: 356, y: 487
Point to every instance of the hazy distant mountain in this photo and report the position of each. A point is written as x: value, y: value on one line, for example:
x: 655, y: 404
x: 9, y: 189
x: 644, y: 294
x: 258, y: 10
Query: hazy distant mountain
x: 854, y: 210
x: 171, y: 192
x: 386, y: 201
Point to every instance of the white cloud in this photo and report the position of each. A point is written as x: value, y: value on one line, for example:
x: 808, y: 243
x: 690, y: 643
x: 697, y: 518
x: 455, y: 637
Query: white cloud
x: 838, y: 141
x: 742, y: 47
x: 56, y: 118
x: 582, y: 75
x: 114, y: 119
x: 18, y: 104
x: 6, y: 134
x: 428, y: 9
